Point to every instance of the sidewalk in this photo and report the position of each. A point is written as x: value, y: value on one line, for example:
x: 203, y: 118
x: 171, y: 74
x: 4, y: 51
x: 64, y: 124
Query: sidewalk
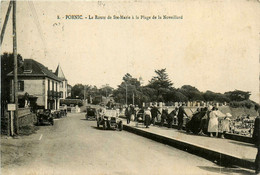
x: 222, y: 151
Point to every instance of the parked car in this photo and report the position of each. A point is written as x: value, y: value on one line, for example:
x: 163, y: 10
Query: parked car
x: 44, y: 116
x: 56, y: 113
x: 110, y: 120
x: 91, y: 113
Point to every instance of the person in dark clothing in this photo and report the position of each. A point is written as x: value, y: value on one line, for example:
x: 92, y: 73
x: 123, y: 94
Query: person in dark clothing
x: 132, y: 111
x: 204, y: 122
x: 127, y: 114
x: 256, y: 138
x: 180, y: 116
x: 194, y: 124
x: 154, y: 112
x: 164, y: 116
x: 171, y: 117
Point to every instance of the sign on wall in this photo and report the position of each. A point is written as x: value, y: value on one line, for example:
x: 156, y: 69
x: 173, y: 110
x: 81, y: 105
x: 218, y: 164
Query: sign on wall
x: 11, y: 107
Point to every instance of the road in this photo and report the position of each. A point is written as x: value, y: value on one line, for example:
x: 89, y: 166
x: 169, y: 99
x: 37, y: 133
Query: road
x: 75, y: 146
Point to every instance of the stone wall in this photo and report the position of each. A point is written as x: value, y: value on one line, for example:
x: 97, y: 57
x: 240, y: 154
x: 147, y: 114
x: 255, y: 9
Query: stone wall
x: 25, y: 119
x: 4, y: 122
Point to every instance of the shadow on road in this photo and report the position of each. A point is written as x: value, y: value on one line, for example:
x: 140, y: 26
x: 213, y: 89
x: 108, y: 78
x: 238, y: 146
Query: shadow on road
x: 100, y: 128
x: 224, y: 170
x: 242, y: 143
x: 88, y: 120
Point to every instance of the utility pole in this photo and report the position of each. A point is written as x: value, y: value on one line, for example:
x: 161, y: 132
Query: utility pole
x: 84, y: 92
x: 15, y: 69
x: 6, y: 20
x: 126, y: 94
x: 133, y: 98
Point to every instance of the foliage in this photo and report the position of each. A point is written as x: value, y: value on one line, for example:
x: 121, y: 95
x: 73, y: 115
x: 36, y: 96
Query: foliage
x: 77, y: 91
x: 192, y: 93
x: 161, y: 84
x: 246, y: 103
x: 218, y: 97
x: 160, y: 88
x: 68, y: 102
x: 7, y: 66
x: 238, y: 95
x: 130, y: 87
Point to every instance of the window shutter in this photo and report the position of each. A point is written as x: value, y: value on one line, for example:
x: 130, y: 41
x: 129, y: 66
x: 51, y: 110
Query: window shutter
x: 22, y: 85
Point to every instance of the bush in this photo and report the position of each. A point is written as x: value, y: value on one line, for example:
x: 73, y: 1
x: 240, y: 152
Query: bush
x: 68, y: 102
x: 246, y: 103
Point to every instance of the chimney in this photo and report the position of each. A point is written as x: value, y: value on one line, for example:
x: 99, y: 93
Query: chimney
x: 28, y: 66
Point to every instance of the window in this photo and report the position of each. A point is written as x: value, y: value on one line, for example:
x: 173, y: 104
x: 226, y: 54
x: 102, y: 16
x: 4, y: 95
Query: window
x: 48, y: 85
x: 20, y: 85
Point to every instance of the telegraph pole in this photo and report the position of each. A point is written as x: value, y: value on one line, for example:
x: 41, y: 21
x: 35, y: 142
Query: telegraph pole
x: 126, y: 94
x: 133, y: 98
x: 84, y: 92
x: 6, y: 20
x: 15, y: 69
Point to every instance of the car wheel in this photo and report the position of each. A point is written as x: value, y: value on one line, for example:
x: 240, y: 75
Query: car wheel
x: 38, y: 122
x: 120, y: 126
x: 105, y: 125
x: 108, y: 125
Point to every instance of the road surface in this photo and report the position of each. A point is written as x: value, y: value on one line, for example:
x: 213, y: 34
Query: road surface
x: 75, y: 146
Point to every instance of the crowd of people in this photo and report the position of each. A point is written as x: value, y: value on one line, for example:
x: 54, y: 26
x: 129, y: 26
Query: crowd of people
x: 205, y: 121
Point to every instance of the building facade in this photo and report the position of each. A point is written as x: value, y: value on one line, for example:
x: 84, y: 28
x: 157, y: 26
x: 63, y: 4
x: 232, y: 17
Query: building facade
x: 38, y: 82
x: 64, y: 84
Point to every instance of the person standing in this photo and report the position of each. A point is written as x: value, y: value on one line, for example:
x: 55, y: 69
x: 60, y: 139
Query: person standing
x: 164, y: 116
x: 225, y: 125
x: 154, y: 112
x: 147, y: 117
x: 213, y: 122
x: 132, y: 112
x: 256, y: 139
x: 171, y: 116
x: 180, y: 116
x: 127, y: 114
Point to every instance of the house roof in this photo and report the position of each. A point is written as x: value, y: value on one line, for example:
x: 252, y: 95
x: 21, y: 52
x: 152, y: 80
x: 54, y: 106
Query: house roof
x: 59, y: 73
x: 32, y: 68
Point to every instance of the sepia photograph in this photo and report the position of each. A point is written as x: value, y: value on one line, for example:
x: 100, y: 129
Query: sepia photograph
x: 134, y: 87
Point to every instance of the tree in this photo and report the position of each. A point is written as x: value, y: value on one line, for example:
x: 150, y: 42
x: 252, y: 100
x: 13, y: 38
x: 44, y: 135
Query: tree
x: 218, y: 97
x: 7, y: 66
x: 131, y: 87
x: 161, y: 84
x: 178, y: 96
x: 238, y: 95
x: 191, y: 93
x: 106, y: 90
x: 77, y: 91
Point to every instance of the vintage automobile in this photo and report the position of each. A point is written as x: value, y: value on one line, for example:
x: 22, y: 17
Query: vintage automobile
x: 44, y: 116
x: 56, y: 113
x: 109, y: 120
x: 91, y: 113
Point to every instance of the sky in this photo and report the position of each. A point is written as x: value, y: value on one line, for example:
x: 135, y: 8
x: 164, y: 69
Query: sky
x: 215, y: 46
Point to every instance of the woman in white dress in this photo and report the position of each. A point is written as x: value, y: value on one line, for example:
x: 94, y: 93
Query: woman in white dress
x: 225, y: 125
x: 213, y: 122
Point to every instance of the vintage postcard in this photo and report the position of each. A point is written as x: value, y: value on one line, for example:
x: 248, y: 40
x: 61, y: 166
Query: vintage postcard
x: 130, y: 87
